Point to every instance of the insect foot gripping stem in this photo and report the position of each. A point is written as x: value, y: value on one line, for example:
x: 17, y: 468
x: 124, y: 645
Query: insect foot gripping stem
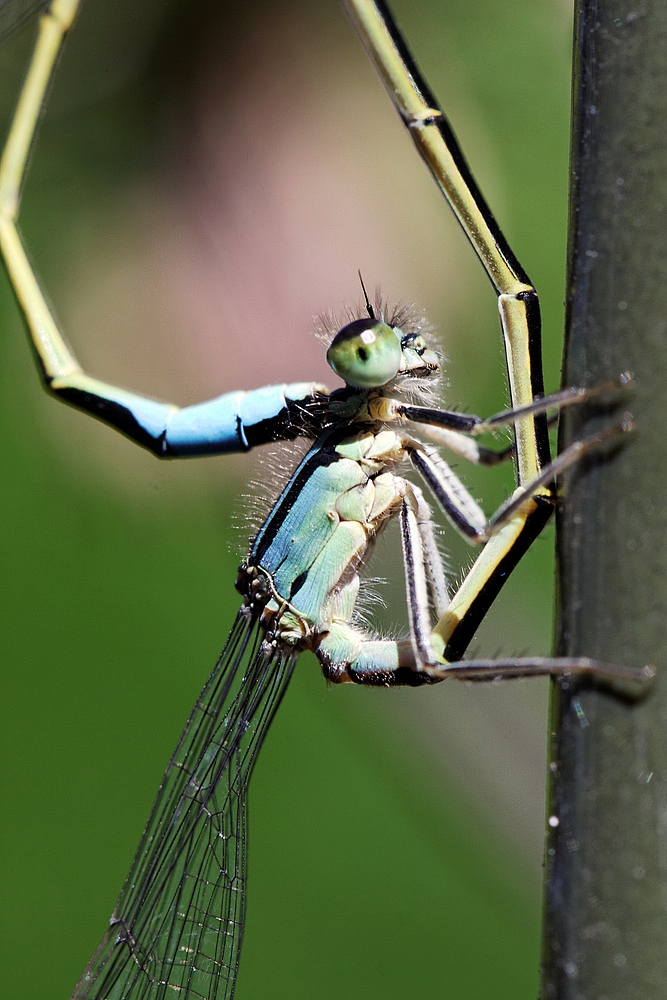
x: 630, y: 683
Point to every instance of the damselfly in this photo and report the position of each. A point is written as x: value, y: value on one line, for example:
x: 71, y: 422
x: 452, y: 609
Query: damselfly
x: 196, y: 945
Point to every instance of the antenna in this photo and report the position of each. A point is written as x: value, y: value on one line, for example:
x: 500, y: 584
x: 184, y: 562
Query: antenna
x: 369, y: 307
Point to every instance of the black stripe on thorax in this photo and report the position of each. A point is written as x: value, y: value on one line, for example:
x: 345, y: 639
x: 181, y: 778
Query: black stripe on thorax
x: 322, y: 454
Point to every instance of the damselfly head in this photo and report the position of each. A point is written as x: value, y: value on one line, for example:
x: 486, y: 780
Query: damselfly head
x: 366, y: 353
x: 369, y: 353
x: 418, y: 359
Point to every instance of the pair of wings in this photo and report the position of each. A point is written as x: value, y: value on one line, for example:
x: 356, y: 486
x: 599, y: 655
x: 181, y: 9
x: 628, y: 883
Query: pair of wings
x: 178, y: 924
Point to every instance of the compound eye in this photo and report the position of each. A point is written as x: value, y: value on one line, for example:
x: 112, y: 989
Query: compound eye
x: 366, y: 353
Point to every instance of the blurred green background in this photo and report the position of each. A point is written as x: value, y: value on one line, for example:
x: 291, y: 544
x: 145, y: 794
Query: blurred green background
x: 205, y: 182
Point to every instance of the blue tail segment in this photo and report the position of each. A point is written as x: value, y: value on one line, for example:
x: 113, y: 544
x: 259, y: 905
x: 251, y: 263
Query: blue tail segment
x: 237, y: 421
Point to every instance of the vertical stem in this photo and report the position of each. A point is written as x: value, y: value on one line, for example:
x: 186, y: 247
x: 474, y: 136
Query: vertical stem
x: 606, y: 895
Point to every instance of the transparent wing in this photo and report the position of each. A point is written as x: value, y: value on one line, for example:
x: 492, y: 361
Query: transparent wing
x: 177, y: 927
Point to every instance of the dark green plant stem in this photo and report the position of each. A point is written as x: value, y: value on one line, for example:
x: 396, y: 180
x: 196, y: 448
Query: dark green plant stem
x: 606, y: 895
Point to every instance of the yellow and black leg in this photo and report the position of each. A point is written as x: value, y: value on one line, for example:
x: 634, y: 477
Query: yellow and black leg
x: 516, y: 525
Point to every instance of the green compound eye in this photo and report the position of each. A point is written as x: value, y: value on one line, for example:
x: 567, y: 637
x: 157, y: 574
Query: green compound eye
x: 366, y: 353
